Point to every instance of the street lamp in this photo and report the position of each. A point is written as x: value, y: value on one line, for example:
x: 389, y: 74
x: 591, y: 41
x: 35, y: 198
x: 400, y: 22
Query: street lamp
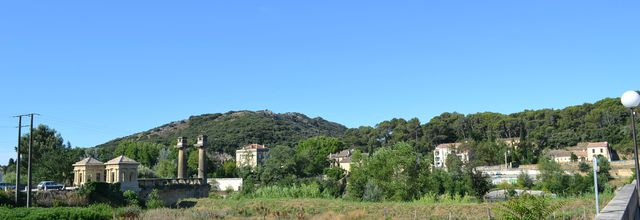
x: 631, y: 99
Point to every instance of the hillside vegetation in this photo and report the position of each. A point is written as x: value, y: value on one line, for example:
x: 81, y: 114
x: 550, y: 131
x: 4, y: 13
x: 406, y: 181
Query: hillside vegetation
x: 233, y: 129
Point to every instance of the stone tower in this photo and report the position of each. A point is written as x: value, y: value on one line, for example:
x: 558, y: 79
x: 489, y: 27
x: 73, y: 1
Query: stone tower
x: 202, y: 145
x: 182, y: 165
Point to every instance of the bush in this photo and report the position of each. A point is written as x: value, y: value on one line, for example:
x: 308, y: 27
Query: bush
x: 372, y: 192
x: 7, y: 198
x: 527, y: 207
x: 153, y: 200
x: 100, y: 192
x: 129, y: 212
x: 584, y: 167
x: 71, y: 213
x: 131, y: 198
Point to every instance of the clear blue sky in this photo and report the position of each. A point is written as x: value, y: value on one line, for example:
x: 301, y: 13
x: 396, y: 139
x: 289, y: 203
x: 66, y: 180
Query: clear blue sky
x: 98, y: 70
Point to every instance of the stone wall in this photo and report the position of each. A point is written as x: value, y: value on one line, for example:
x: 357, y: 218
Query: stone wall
x: 623, y: 206
x: 171, y: 194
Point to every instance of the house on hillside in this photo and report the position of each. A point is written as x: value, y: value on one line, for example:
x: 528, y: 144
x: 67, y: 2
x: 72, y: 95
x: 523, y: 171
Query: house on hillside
x: 584, y: 151
x: 443, y: 150
x: 343, y: 159
x: 252, y: 155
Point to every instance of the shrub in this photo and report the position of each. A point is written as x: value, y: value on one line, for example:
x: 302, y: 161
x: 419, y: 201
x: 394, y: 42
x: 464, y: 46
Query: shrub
x: 131, y: 198
x: 372, y: 192
x: 99, y: 192
x: 71, y: 213
x: 584, y: 167
x: 301, y: 191
x: 528, y: 207
x: 7, y: 198
x: 153, y: 200
x: 129, y: 212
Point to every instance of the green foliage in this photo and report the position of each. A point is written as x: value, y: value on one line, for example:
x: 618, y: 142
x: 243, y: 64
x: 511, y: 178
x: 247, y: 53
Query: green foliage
x: 7, y: 198
x: 165, y: 169
x: 280, y: 168
x: 524, y: 180
x: 312, y: 153
x: 153, y: 200
x: 143, y: 152
x: 229, y: 169
x: 51, y: 158
x: 553, y: 178
x: 145, y: 172
x: 295, y: 191
x: 584, y: 167
x: 238, y: 128
x: 372, y: 192
x: 528, y: 207
x: 131, y: 198
x: 71, y: 213
x: 101, y: 192
x: 193, y: 160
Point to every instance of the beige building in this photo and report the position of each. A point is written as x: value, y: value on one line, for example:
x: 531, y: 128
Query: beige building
x: 88, y: 170
x: 121, y: 170
x: 584, y: 151
x: 443, y: 150
x: 341, y: 159
x: 252, y: 155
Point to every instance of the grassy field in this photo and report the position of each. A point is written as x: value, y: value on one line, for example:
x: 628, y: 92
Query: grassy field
x: 572, y: 208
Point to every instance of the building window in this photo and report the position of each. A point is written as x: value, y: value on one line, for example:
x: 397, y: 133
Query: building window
x: 98, y: 177
x: 593, y: 151
x: 601, y: 150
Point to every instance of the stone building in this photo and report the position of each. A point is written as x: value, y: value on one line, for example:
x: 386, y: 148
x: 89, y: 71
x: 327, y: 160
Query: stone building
x: 88, y: 170
x: 584, y: 151
x: 342, y: 159
x: 252, y: 155
x: 121, y: 170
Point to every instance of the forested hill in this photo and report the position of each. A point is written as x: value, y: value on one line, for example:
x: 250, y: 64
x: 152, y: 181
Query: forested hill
x: 605, y: 120
x: 230, y: 130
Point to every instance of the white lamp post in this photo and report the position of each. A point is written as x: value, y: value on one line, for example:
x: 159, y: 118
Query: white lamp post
x: 631, y: 100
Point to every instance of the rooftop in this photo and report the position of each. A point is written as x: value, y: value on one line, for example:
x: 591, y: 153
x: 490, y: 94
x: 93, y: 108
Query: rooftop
x: 448, y: 145
x: 88, y: 161
x: 254, y: 146
x: 121, y: 160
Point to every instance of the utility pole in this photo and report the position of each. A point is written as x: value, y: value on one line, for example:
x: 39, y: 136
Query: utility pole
x: 29, y: 161
x: 17, y: 190
x: 595, y: 182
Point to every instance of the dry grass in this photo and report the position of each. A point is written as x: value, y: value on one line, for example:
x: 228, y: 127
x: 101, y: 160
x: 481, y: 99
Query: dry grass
x: 573, y: 208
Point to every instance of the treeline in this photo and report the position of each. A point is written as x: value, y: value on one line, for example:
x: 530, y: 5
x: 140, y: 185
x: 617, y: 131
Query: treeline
x: 605, y: 120
x: 392, y: 173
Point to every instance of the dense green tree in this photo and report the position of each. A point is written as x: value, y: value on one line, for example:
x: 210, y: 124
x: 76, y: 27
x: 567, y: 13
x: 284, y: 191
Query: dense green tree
x: 143, y: 152
x: 51, y: 159
x: 313, y: 152
x: 524, y: 180
x: 280, y: 168
x: 165, y: 169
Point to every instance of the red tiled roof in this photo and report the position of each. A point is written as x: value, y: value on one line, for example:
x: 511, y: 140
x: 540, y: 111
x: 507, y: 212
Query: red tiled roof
x: 598, y: 144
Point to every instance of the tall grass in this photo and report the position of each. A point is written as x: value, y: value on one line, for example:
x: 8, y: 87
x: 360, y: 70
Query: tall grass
x: 431, y: 198
x: 296, y: 191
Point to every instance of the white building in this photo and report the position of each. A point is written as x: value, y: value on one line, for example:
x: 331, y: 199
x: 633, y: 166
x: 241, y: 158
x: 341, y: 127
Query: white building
x: 252, y: 155
x: 443, y: 150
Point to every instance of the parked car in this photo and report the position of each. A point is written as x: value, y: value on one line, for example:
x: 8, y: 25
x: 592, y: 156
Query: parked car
x: 7, y: 186
x: 49, y: 185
